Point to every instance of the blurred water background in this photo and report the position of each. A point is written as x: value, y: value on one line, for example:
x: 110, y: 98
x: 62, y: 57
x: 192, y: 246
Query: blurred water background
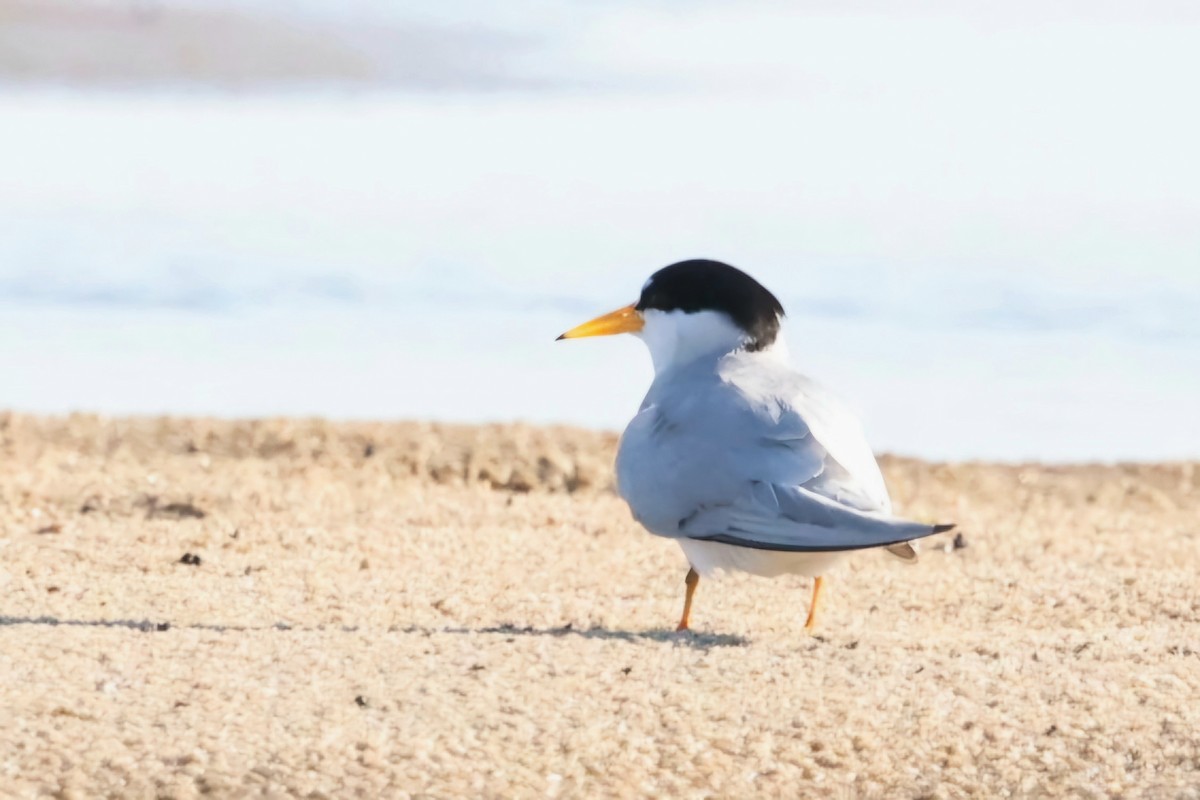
x: 984, y: 223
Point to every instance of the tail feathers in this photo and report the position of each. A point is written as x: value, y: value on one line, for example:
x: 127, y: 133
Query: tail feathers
x: 906, y: 551
x: 909, y: 551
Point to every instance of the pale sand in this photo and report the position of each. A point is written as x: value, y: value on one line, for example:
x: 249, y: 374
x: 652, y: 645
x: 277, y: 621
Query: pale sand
x: 443, y: 618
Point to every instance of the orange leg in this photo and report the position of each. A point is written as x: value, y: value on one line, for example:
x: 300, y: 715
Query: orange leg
x: 811, y: 624
x: 691, y: 580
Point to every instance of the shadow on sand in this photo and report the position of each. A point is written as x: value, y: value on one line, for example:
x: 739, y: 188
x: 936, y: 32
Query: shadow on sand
x: 688, y: 638
x: 702, y: 641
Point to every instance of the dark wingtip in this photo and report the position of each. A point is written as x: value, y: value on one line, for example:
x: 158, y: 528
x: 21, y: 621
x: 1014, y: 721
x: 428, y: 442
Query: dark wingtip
x: 944, y: 528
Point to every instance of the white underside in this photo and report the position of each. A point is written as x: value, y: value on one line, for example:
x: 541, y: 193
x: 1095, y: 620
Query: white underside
x: 708, y: 558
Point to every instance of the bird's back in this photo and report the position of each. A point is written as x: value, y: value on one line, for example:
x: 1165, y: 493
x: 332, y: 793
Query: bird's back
x: 707, y: 430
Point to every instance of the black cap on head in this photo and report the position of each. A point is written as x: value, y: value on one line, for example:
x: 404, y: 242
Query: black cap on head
x: 703, y: 285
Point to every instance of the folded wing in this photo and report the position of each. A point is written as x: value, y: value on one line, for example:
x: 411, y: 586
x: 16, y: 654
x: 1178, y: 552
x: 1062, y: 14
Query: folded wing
x: 770, y: 516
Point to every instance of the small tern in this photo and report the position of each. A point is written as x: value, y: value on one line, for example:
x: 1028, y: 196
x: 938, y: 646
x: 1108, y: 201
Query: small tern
x: 746, y: 463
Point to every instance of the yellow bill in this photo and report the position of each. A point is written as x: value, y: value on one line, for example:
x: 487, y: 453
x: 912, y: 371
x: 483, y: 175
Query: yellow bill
x: 623, y: 320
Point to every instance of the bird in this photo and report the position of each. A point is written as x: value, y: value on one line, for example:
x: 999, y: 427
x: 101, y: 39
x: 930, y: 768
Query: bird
x: 733, y: 453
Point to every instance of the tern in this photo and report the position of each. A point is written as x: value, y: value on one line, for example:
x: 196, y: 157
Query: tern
x: 745, y: 462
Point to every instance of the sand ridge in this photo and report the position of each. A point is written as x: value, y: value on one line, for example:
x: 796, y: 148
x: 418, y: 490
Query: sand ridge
x: 411, y: 609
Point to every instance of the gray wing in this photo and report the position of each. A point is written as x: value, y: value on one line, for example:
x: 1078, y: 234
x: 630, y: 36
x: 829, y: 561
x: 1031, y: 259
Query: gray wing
x: 772, y: 517
x: 848, y: 470
x: 756, y: 457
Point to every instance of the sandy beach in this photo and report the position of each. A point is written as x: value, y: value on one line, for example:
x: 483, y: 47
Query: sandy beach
x: 302, y: 608
x: 373, y: 209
